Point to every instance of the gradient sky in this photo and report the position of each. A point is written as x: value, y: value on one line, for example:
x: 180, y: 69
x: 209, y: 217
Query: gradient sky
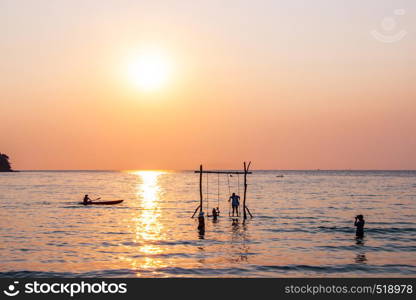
x: 285, y: 84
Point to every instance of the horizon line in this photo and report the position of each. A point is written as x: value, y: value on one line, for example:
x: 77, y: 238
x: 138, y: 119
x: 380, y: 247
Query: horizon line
x: 185, y: 170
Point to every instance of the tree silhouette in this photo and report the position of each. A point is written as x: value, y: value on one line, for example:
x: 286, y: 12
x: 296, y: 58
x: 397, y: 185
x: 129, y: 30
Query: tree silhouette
x: 4, y: 163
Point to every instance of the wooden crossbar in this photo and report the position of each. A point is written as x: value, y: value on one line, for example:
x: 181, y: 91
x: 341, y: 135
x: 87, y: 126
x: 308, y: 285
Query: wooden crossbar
x: 223, y: 172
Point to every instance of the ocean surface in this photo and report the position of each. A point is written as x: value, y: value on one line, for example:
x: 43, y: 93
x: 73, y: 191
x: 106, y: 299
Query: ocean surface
x: 302, y: 225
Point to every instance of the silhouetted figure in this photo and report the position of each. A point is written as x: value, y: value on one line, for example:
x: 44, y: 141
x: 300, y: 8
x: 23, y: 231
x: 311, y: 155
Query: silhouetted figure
x: 87, y: 200
x: 359, y: 223
x: 215, y: 213
x: 201, y: 220
x: 201, y: 225
x: 235, y: 202
x: 4, y: 163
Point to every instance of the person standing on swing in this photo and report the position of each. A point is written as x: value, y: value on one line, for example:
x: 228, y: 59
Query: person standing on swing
x: 235, y: 202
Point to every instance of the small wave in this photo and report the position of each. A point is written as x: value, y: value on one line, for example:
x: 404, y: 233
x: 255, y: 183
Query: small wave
x: 298, y: 218
x: 347, y: 268
x: 384, y: 231
x: 391, y: 230
x: 288, y: 230
x: 63, y: 244
x: 397, y: 223
x: 169, y: 243
x: 163, y: 255
x: 265, y: 217
x: 204, y: 271
x: 41, y: 203
x: 74, y: 206
x: 249, y: 271
x: 33, y: 274
x: 50, y: 274
x: 336, y: 229
x: 367, y: 195
x: 55, y: 231
x: 384, y: 248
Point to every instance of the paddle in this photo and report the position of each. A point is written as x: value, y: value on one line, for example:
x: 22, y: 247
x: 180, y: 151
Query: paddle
x: 96, y: 199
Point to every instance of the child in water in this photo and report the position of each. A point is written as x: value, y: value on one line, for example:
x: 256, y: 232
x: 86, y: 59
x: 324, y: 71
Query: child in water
x: 215, y: 213
x: 359, y: 223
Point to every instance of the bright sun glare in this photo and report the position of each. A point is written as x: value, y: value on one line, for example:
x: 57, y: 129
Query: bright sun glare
x: 149, y: 71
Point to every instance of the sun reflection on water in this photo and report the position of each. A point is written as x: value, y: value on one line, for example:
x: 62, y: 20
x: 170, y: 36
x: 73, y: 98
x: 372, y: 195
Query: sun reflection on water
x: 148, y: 226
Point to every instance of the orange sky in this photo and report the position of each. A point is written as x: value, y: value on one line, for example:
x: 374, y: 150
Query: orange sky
x: 285, y: 84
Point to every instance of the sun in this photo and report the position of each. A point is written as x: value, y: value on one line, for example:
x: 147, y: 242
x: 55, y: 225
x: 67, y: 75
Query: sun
x: 149, y: 71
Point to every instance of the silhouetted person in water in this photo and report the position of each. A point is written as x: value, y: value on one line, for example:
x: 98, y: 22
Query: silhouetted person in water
x: 201, y: 221
x: 201, y: 225
x: 215, y: 213
x: 87, y: 199
x: 235, y: 202
x: 359, y: 223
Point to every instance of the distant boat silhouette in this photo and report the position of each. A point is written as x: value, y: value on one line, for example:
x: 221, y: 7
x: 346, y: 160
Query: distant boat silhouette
x: 111, y: 202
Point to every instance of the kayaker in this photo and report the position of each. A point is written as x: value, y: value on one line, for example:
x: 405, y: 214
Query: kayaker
x: 87, y: 199
x: 235, y: 202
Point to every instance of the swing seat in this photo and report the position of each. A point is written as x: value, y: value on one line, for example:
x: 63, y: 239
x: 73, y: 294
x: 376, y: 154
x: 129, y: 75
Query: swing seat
x: 210, y: 216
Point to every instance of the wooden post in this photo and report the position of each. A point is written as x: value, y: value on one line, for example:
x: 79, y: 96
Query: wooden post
x: 195, y: 211
x: 200, y: 188
x: 245, y: 191
x: 246, y: 167
x: 249, y: 212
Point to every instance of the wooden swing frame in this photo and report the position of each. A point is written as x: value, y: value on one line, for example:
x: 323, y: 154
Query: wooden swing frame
x: 245, y: 172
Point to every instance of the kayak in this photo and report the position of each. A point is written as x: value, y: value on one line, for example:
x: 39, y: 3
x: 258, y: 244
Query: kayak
x: 103, y: 202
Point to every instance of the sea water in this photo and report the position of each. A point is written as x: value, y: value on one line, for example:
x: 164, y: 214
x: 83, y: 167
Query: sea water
x: 302, y: 224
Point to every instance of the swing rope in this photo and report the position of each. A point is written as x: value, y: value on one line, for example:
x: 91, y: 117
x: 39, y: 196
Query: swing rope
x: 228, y: 180
x: 219, y: 192
x: 218, y: 196
x: 238, y: 192
x: 238, y: 184
x: 229, y: 193
x: 207, y: 197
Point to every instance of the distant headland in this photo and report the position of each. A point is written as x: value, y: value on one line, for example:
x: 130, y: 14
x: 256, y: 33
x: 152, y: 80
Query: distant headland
x: 4, y: 163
